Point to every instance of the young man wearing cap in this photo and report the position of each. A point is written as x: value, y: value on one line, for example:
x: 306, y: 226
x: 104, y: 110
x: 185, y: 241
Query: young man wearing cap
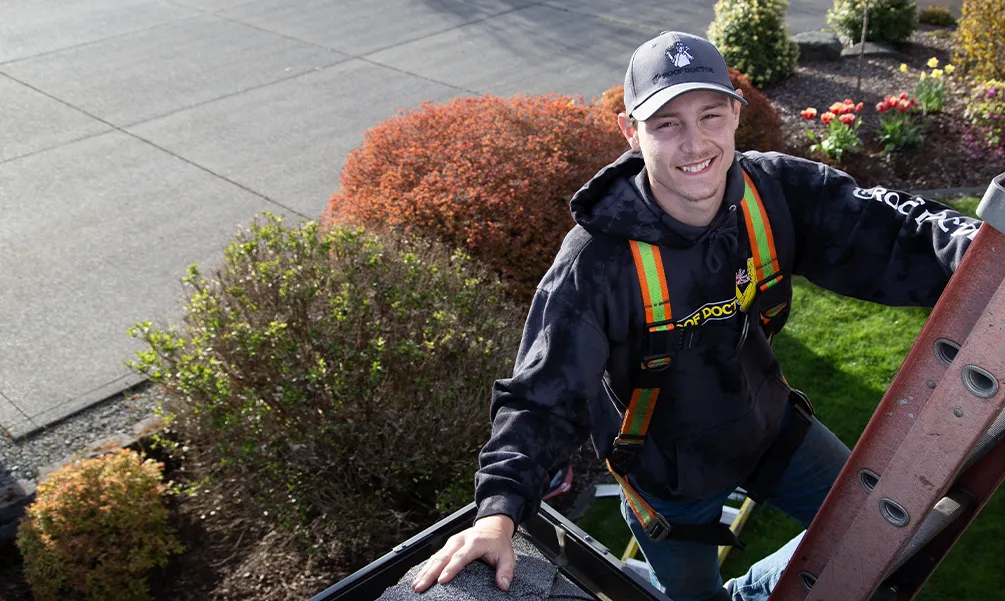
x: 651, y: 331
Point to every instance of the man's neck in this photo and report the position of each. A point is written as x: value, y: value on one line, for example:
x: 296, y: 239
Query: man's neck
x: 693, y: 213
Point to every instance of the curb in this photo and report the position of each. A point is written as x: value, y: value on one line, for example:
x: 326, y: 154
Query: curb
x: 17, y: 495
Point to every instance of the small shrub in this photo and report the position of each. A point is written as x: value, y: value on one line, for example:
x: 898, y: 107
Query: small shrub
x: 760, y: 126
x: 489, y: 175
x: 937, y: 15
x: 979, y: 44
x: 890, y: 21
x: 95, y: 530
x: 753, y: 38
x: 986, y: 113
x: 340, y: 379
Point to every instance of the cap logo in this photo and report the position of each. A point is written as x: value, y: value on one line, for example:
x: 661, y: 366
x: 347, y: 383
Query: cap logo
x: 680, y: 55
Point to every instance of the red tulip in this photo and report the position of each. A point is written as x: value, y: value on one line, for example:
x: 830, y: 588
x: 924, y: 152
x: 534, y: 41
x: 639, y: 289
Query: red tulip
x: 808, y: 113
x: 837, y: 108
x: 859, y: 106
x: 904, y: 105
x: 827, y: 117
x: 882, y: 107
x: 849, y: 101
x: 847, y: 119
x: 903, y: 95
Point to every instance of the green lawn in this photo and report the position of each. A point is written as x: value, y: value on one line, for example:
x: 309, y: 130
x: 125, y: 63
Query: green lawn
x: 843, y: 353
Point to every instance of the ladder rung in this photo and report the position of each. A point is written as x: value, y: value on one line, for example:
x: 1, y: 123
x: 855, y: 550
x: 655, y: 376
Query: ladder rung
x: 945, y: 512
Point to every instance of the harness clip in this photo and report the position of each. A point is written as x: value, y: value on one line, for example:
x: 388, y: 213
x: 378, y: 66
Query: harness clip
x: 659, y: 529
x: 624, y: 452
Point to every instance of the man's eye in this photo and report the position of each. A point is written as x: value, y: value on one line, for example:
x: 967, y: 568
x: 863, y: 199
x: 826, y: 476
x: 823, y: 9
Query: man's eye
x: 666, y: 124
x: 712, y: 115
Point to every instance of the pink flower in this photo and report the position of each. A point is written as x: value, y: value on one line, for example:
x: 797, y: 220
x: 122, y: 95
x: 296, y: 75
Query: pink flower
x: 882, y: 107
x: 847, y: 119
x: 904, y: 105
x: 808, y: 113
x: 859, y: 106
x: 827, y: 117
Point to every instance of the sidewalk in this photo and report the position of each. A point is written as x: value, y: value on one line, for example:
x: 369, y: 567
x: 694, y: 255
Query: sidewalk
x: 136, y: 136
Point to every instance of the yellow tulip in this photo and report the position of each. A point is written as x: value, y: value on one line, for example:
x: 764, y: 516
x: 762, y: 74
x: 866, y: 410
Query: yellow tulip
x: 933, y: 63
x: 950, y: 69
x: 903, y: 67
x: 936, y: 73
x: 923, y: 75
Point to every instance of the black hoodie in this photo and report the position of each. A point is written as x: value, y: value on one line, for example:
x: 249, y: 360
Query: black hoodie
x: 719, y: 408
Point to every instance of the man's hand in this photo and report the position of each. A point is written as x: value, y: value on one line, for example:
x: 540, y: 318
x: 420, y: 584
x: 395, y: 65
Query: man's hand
x: 491, y: 539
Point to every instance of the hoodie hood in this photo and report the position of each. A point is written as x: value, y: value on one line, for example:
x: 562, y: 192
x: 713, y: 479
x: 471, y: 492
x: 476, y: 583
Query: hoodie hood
x: 618, y: 202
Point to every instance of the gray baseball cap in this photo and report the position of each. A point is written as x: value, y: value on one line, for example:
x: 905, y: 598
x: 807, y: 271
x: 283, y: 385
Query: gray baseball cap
x: 670, y: 65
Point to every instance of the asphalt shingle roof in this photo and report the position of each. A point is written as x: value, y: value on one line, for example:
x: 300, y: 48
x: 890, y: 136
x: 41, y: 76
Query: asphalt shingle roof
x: 535, y: 578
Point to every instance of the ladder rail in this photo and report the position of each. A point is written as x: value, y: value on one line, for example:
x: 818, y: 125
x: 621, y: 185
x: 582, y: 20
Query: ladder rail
x: 958, y: 414
x: 951, y: 320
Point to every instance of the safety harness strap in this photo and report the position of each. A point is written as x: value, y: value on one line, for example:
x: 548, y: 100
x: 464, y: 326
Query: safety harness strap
x: 770, y: 291
x: 662, y: 338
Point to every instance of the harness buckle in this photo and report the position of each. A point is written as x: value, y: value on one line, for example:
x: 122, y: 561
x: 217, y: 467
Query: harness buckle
x: 659, y: 529
x: 624, y: 452
x: 659, y: 344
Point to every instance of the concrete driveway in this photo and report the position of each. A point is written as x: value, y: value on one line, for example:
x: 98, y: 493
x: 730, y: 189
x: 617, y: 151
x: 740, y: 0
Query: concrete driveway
x: 136, y: 136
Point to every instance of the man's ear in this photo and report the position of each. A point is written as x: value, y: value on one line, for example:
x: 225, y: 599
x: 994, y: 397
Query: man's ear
x: 736, y: 106
x: 630, y: 132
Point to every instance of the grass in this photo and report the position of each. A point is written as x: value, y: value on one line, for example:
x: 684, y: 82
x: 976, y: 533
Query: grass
x: 844, y: 353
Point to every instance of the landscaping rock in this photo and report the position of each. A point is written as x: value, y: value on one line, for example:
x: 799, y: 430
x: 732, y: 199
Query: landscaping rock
x: 15, y: 495
x: 873, y: 49
x: 818, y: 46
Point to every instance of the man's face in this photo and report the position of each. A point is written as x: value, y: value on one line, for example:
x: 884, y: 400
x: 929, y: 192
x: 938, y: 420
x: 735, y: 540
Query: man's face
x: 688, y: 147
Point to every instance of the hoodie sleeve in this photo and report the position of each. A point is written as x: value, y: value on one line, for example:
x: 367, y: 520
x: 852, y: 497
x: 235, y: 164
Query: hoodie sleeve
x: 874, y: 244
x: 540, y: 415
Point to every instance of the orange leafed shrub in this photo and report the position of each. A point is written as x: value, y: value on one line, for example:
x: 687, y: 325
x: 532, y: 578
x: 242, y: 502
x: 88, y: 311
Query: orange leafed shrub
x: 760, y: 126
x: 489, y: 175
x: 95, y: 530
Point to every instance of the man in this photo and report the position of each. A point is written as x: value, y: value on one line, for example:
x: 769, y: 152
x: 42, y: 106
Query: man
x: 681, y: 392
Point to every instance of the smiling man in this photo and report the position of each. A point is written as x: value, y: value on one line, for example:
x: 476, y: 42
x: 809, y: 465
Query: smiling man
x: 651, y: 332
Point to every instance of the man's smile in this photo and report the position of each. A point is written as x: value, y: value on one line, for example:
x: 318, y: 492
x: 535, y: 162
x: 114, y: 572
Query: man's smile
x: 697, y: 168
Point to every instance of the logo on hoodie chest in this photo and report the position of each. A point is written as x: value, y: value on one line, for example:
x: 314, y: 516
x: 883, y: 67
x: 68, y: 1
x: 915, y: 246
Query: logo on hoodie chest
x: 714, y: 311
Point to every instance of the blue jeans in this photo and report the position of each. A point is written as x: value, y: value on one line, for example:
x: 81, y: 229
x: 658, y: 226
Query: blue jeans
x: 688, y: 571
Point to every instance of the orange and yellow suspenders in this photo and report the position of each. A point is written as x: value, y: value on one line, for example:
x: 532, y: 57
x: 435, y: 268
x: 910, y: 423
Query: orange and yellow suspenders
x: 764, y: 272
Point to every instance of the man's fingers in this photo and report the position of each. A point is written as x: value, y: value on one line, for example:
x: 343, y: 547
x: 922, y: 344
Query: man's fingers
x: 460, y: 559
x: 504, y: 569
x: 431, y: 571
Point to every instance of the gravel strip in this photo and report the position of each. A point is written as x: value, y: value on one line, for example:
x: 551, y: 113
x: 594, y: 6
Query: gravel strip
x: 21, y: 459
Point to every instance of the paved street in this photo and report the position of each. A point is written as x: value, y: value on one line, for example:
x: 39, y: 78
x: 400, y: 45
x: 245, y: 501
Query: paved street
x: 136, y: 136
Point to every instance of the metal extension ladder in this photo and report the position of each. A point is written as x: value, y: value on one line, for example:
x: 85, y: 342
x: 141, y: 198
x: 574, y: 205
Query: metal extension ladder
x: 930, y: 457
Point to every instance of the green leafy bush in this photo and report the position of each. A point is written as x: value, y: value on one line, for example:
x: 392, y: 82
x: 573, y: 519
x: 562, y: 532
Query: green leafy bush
x: 890, y: 21
x: 979, y: 44
x: 489, y: 175
x: 936, y: 14
x: 339, y: 378
x: 95, y: 530
x: 753, y: 38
